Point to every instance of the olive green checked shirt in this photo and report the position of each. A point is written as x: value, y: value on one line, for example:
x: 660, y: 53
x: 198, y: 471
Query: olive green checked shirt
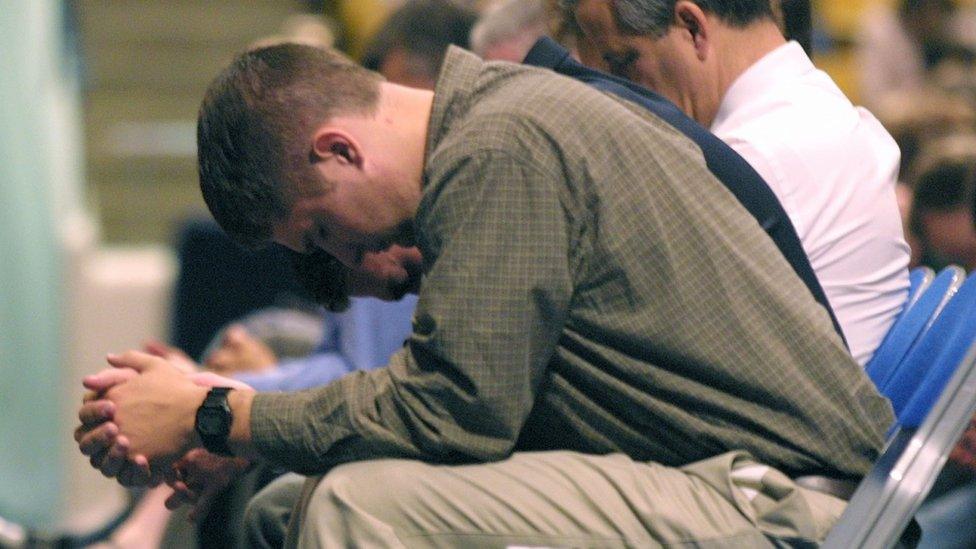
x: 590, y: 286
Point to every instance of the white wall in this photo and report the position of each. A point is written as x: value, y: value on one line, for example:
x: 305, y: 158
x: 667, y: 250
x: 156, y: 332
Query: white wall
x: 64, y: 301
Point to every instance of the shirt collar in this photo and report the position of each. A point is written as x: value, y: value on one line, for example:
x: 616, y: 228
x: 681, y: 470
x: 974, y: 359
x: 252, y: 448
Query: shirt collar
x: 546, y: 53
x: 786, y: 62
x: 452, y: 94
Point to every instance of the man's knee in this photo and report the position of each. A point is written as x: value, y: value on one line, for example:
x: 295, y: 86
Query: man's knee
x: 364, y: 484
x: 366, y: 503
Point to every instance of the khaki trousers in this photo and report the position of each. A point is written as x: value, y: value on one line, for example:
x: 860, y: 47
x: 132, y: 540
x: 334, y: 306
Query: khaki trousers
x: 561, y: 499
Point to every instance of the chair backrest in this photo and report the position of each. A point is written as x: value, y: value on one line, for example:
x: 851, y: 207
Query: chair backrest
x: 952, y: 335
x: 932, y: 359
x: 910, y: 325
x: 919, y: 279
x: 893, y: 490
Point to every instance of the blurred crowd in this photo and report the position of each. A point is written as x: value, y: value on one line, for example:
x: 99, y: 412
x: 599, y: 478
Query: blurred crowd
x: 916, y: 73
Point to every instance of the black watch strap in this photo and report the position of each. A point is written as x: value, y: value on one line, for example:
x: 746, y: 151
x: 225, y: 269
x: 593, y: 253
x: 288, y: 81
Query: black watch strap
x: 213, y: 421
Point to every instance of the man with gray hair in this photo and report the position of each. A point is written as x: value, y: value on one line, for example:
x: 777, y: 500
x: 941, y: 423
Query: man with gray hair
x: 832, y: 165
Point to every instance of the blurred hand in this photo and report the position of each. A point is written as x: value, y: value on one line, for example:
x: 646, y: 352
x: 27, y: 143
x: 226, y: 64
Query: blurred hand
x: 199, y: 477
x: 240, y: 352
x: 964, y: 454
x: 175, y: 356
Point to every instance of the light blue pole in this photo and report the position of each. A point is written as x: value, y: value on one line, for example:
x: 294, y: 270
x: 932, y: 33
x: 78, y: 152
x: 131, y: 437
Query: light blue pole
x: 34, y: 86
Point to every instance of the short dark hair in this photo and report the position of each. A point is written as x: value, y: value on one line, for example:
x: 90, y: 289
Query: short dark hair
x: 254, y: 123
x: 798, y: 22
x: 655, y: 17
x: 423, y: 29
x: 944, y: 182
x: 945, y: 186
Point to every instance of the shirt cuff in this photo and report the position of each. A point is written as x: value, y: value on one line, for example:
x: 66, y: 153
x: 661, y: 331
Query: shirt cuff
x: 296, y: 430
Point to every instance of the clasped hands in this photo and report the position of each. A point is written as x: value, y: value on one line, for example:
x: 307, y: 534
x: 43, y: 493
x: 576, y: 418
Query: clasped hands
x: 137, y: 425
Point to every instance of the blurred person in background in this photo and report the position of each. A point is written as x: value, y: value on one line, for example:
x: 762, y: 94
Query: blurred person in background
x: 410, y: 46
x: 944, y: 185
x: 832, y: 165
x: 915, y: 120
x: 900, y: 46
x: 359, y: 20
x: 946, y: 516
x: 508, y: 29
x: 941, y: 224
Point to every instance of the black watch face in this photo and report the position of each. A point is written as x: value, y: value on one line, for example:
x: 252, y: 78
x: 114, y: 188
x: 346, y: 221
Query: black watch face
x: 212, y: 422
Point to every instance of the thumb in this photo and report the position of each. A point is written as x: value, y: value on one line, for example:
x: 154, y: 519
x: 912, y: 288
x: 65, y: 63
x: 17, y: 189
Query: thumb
x: 135, y: 360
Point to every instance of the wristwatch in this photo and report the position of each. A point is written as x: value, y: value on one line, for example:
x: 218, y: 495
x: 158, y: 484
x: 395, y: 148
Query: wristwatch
x: 213, y: 421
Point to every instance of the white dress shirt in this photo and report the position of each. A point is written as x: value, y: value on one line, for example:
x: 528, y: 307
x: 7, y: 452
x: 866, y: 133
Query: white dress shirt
x: 834, y: 168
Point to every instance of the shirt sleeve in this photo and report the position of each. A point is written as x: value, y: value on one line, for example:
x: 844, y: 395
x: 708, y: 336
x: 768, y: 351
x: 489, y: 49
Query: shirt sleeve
x: 491, y: 310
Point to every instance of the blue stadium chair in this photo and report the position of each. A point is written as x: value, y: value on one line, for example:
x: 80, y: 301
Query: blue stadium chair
x: 892, y: 347
x: 939, y: 349
x: 911, y: 324
x: 885, y: 502
x: 952, y: 335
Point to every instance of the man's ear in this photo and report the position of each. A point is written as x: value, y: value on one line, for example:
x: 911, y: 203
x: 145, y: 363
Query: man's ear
x: 338, y: 145
x: 691, y: 19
